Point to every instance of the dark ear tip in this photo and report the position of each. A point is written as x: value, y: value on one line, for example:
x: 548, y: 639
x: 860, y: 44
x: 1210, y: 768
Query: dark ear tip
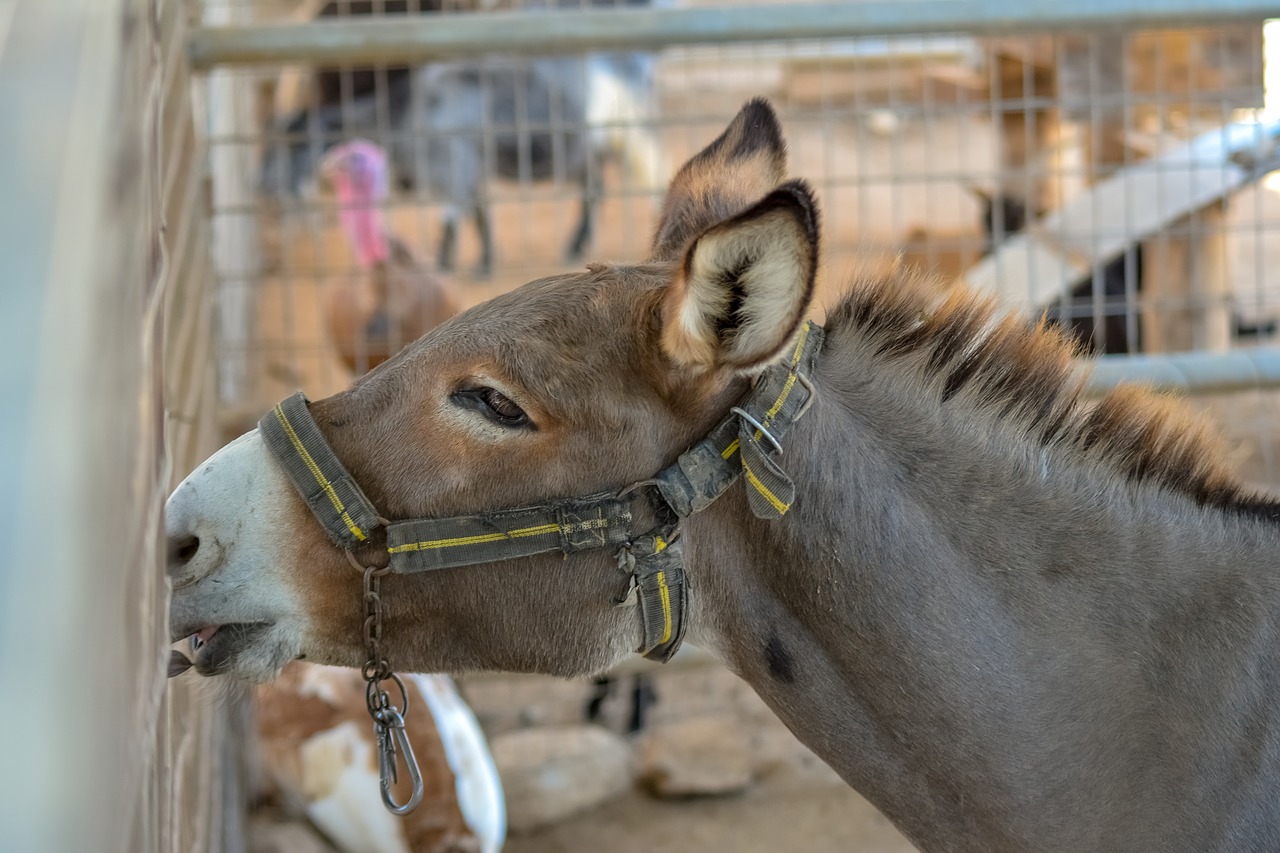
x: 798, y: 189
x: 759, y: 109
x: 759, y: 126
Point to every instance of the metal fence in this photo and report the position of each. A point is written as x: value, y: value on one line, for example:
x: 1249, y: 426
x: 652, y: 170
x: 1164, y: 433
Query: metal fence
x: 1105, y: 162
x: 1083, y: 159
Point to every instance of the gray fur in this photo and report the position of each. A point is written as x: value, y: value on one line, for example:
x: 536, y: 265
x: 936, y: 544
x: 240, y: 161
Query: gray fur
x: 1014, y: 622
x: 1001, y: 647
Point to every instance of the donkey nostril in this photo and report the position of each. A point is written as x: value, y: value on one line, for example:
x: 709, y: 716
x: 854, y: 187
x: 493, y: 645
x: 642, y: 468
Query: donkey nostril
x: 182, y: 549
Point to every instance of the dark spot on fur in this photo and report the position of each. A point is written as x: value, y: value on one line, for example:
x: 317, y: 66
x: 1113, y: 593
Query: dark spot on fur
x: 781, y: 665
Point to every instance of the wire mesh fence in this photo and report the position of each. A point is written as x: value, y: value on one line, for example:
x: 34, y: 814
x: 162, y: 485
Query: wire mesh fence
x: 1115, y: 181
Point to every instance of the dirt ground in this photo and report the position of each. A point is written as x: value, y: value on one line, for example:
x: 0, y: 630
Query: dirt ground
x: 782, y: 815
x: 796, y: 802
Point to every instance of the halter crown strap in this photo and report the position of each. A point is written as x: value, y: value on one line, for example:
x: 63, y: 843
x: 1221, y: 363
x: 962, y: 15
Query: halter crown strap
x: 336, y: 501
x: 706, y: 471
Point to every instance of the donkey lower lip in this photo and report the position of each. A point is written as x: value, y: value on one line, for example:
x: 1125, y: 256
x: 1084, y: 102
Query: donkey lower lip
x: 215, y: 649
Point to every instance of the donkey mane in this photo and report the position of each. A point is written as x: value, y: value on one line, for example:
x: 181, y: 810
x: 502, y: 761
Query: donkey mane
x: 961, y: 346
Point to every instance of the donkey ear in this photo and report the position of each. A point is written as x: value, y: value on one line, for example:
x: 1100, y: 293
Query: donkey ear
x: 745, y: 285
x: 748, y: 160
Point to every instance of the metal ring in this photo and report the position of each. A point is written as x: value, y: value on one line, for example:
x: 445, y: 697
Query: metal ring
x: 362, y: 568
x: 808, y: 401
x: 637, y: 486
x: 372, y: 687
x: 376, y: 671
x: 759, y: 426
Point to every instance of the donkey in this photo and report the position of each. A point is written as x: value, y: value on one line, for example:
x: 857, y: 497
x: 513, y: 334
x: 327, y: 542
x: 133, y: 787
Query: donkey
x: 1011, y: 620
x: 560, y: 118
x: 450, y: 126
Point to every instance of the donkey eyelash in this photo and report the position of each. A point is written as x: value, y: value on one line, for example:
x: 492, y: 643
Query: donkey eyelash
x: 494, y: 405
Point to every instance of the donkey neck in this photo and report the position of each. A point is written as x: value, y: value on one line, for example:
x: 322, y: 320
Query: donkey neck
x: 1000, y: 649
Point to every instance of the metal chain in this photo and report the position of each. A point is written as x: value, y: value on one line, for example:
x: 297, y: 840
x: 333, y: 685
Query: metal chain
x: 388, y: 719
x: 376, y: 668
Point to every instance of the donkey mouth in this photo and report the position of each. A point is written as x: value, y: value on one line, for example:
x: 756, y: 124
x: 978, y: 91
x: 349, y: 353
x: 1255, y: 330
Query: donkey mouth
x: 214, y: 648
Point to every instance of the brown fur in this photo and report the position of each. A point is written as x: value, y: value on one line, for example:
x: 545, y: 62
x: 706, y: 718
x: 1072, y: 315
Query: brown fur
x: 289, y: 713
x: 740, y: 167
x: 966, y: 348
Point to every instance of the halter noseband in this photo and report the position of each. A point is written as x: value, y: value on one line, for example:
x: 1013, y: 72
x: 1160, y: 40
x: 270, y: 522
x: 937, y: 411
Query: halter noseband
x: 653, y: 557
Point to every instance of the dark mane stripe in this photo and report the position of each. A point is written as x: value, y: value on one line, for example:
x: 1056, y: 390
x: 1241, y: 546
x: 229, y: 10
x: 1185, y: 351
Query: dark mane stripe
x: 964, y: 346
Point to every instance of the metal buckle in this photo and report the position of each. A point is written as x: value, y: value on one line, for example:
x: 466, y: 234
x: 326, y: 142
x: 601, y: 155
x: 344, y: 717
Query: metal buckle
x: 759, y: 426
x: 808, y: 401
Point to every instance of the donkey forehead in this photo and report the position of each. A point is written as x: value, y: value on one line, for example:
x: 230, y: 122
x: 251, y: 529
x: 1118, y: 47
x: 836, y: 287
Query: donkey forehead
x: 552, y: 329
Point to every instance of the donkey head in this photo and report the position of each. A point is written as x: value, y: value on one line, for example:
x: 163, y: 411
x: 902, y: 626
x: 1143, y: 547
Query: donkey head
x: 569, y: 386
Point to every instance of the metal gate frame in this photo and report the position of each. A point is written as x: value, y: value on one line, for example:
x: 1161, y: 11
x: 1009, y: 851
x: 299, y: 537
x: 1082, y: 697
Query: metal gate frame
x: 432, y: 37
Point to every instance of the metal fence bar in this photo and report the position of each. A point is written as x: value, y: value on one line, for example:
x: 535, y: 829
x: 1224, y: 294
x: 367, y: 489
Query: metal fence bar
x: 420, y: 38
x: 1192, y: 372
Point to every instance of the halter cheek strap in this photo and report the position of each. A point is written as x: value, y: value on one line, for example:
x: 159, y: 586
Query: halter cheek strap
x: 734, y: 448
x: 746, y: 443
x: 335, y: 500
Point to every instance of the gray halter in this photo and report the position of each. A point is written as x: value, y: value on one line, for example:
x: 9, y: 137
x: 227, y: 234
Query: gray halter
x: 653, y: 557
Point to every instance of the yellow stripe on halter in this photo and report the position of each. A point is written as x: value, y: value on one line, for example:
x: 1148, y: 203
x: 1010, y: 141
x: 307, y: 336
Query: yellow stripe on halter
x: 480, y: 539
x: 764, y: 491
x: 321, y: 479
x: 791, y: 378
x: 782, y: 395
x: 665, y: 594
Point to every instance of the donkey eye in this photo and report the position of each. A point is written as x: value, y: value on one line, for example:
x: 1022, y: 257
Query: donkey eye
x: 494, y: 405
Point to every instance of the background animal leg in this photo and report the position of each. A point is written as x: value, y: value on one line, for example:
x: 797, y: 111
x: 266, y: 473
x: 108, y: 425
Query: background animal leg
x: 481, y: 217
x: 448, y: 243
x: 643, y: 695
x: 583, y: 234
x: 595, y: 705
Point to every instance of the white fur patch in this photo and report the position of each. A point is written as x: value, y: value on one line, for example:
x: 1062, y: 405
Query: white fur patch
x: 325, y: 683
x: 619, y: 117
x: 340, y: 778
x: 234, y: 503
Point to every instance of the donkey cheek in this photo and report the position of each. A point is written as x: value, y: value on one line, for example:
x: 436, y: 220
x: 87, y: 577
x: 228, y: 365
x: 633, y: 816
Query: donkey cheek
x: 327, y: 589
